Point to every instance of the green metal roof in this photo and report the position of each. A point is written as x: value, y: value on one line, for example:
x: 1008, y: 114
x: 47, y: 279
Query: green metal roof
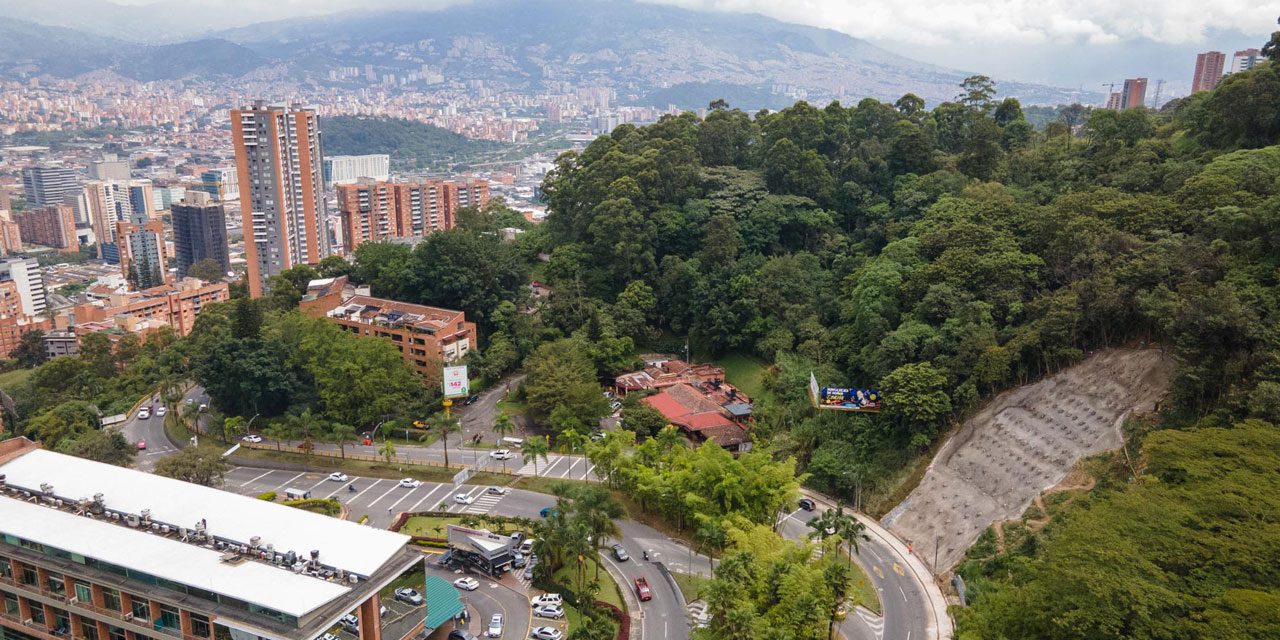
x: 443, y: 602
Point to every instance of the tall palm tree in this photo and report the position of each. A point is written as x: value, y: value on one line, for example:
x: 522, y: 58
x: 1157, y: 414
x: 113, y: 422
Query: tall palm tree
x: 572, y: 442
x: 341, y: 434
x: 306, y: 426
x: 534, y: 448
x: 597, y: 510
x: 851, y: 530
x: 277, y: 431
x: 443, y: 424
x: 387, y: 450
x: 503, y: 426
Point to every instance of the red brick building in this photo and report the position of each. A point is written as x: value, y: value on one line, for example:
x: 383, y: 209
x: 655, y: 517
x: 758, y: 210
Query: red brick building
x: 52, y: 226
x: 373, y: 210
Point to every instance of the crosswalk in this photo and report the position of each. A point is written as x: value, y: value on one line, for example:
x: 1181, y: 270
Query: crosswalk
x: 873, y: 621
x: 559, y: 466
x: 484, y: 503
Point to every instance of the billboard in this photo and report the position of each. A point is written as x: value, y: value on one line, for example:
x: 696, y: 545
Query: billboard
x: 456, y: 383
x: 844, y: 398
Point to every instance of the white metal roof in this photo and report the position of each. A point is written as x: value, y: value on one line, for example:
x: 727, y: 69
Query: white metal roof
x: 167, y: 558
x: 342, y: 544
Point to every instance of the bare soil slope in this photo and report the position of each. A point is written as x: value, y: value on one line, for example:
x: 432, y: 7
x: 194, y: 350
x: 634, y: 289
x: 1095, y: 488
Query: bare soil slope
x: 1023, y: 442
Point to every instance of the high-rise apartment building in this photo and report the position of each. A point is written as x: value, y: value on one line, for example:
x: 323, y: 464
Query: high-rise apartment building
x: 347, y: 169
x: 1134, y: 94
x: 103, y: 204
x: 1245, y: 60
x: 222, y: 184
x: 371, y: 210
x: 47, y: 184
x: 279, y: 160
x: 14, y: 323
x: 163, y: 197
x: 10, y: 234
x: 52, y: 225
x: 27, y: 278
x: 199, y: 232
x: 109, y: 168
x: 1209, y: 66
x: 142, y: 198
x: 99, y: 552
x: 142, y: 254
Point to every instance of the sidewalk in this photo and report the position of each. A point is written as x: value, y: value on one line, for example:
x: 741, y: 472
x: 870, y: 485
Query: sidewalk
x: 940, y: 626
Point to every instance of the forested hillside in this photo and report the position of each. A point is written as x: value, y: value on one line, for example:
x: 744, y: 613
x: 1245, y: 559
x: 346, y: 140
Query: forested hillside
x: 415, y: 144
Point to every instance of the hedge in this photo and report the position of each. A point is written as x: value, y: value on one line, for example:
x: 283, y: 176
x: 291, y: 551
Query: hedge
x: 269, y: 496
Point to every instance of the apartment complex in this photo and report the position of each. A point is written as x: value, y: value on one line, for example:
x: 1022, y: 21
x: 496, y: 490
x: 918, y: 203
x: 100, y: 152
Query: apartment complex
x: 176, y: 305
x: 51, y: 225
x: 1209, y: 68
x: 14, y: 322
x: 1245, y: 60
x: 222, y: 184
x: 279, y: 163
x: 27, y: 279
x: 142, y: 252
x: 109, y: 168
x: 347, y: 169
x: 427, y: 337
x: 199, y: 232
x: 372, y: 210
x: 48, y: 184
x: 10, y: 234
x: 103, y: 204
x: 1134, y: 94
x: 100, y: 552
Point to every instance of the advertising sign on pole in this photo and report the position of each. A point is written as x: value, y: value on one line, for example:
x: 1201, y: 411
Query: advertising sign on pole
x: 456, y: 383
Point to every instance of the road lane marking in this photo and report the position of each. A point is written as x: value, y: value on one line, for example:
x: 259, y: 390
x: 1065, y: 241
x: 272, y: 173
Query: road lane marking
x: 904, y: 594
x: 879, y: 572
x: 897, y: 568
x: 424, y: 498
x: 393, y: 488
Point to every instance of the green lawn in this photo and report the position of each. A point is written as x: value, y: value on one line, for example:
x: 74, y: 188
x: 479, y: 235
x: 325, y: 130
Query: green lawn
x: 512, y: 408
x: 567, y: 576
x: 862, y: 591
x: 10, y: 379
x: 690, y: 585
x: 744, y: 372
x: 426, y: 525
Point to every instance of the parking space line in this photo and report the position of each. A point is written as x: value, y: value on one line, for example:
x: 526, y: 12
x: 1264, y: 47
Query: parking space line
x: 551, y: 468
x: 342, y: 486
x: 569, y: 472
x: 424, y: 498
x: 406, y: 496
x: 361, y: 492
x: 288, y: 482
x: 393, y: 488
x: 247, y: 483
x: 322, y: 481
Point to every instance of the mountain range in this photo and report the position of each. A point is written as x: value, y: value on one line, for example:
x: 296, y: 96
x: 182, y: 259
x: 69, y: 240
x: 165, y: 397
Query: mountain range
x: 642, y: 51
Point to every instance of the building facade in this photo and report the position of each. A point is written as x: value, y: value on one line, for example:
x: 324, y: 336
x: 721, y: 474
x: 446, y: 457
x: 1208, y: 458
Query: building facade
x: 347, y: 169
x: 61, y: 343
x: 14, y: 322
x: 279, y: 161
x: 48, y: 184
x: 142, y: 253
x: 199, y: 232
x: 51, y: 225
x: 1209, y: 68
x: 372, y: 210
x: 1245, y: 60
x: 1134, y: 94
x: 109, y: 168
x: 176, y: 305
x: 28, y: 281
x: 427, y: 337
x: 10, y: 235
x: 222, y: 184
x: 88, y: 552
x: 103, y: 204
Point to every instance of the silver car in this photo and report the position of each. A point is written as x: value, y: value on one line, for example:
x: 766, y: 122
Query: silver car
x: 495, y: 626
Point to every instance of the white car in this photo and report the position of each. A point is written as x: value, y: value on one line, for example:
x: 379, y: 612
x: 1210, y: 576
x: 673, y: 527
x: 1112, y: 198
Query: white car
x: 410, y: 483
x: 501, y: 454
x: 253, y: 437
x: 495, y: 626
x: 327, y: 636
x: 350, y: 623
x: 526, y: 548
x: 553, y: 611
x: 545, y: 633
x: 405, y: 594
x: 144, y: 413
x: 204, y: 407
x: 546, y: 599
x: 160, y: 411
x: 338, y: 476
x: 463, y: 498
x: 191, y: 400
x: 467, y: 584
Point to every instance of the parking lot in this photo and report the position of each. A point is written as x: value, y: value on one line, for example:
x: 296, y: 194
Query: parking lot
x: 382, y: 498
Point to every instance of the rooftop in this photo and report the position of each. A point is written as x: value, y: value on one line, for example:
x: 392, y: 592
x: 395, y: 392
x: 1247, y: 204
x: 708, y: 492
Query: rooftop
x: 343, y: 545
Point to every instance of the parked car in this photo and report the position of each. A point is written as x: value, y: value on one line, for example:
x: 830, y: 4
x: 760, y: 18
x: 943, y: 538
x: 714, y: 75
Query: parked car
x: 807, y: 504
x: 459, y: 634
x: 642, y: 589
x: 498, y: 491
x: 160, y: 411
x: 528, y: 571
x: 501, y: 454
x: 410, y: 483
x: 327, y: 636
x: 615, y: 405
x: 553, y: 611
x: 409, y: 596
x: 518, y: 560
x: 495, y: 626
x: 545, y: 633
x: 547, y: 512
x: 463, y: 498
x: 620, y: 554
x: 142, y: 445
x: 467, y: 584
x: 351, y: 623
x: 597, y: 436
x: 191, y: 400
x: 546, y: 599
x: 204, y: 406
x: 253, y: 437
x: 470, y: 400
x: 338, y: 476
x: 526, y: 547
x: 144, y: 413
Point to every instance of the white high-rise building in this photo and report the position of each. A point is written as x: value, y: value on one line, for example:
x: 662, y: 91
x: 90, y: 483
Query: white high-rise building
x: 48, y: 184
x: 25, y: 273
x: 280, y: 161
x: 1245, y: 60
x: 348, y: 169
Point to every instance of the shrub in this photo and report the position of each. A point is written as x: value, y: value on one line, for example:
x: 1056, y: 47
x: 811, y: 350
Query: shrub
x: 269, y: 496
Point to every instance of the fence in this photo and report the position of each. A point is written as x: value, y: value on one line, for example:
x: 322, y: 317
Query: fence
x: 363, y: 457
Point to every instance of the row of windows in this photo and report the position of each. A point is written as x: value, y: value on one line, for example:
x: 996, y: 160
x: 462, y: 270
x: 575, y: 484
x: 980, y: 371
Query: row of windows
x: 140, y: 576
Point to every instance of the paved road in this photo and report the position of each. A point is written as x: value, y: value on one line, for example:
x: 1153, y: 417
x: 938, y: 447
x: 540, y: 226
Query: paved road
x: 152, y: 432
x: 479, y: 416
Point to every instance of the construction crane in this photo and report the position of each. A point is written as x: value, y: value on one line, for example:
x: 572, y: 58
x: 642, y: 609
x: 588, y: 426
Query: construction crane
x: 1111, y: 89
x: 1159, y: 87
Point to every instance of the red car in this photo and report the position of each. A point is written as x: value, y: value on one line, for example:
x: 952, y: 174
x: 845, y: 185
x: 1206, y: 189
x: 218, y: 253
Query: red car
x: 142, y: 445
x: 642, y: 589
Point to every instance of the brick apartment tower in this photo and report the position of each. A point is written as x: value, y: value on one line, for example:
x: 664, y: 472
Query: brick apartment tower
x: 1209, y: 66
x: 373, y: 210
x: 279, y: 165
x: 53, y: 225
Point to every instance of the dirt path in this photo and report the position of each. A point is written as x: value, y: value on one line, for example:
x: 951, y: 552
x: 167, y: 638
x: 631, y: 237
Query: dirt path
x: 1023, y: 442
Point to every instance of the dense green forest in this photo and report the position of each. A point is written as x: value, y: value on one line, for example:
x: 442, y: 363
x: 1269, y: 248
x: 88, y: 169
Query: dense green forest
x: 410, y: 143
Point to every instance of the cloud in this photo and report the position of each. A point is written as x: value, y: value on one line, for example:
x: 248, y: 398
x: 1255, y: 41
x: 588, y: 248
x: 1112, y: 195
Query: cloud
x: 935, y: 22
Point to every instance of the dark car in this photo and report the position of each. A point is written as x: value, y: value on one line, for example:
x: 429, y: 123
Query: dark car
x: 459, y: 634
x: 807, y: 504
x: 620, y: 553
x: 471, y: 400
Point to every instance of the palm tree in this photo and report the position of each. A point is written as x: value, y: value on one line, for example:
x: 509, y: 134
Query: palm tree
x: 231, y: 426
x: 837, y: 577
x: 443, y: 424
x: 503, y: 426
x: 388, y: 450
x: 278, y: 431
x: 534, y: 448
x: 306, y: 426
x: 597, y: 510
x: 341, y: 434
x: 572, y: 442
x: 851, y: 530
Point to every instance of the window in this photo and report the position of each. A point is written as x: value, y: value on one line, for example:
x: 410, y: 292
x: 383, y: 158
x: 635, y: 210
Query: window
x: 6, y: 570
x: 37, y: 612
x: 84, y: 593
x: 170, y: 620
x: 115, y: 633
x: 200, y: 625
x: 55, y: 582
x: 111, y: 599
x: 10, y: 604
x: 28, y: 576
x: 88, y: 628
x: 141, y: 608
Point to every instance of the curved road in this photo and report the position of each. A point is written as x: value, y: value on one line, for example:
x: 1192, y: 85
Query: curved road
x: 911, y: 603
